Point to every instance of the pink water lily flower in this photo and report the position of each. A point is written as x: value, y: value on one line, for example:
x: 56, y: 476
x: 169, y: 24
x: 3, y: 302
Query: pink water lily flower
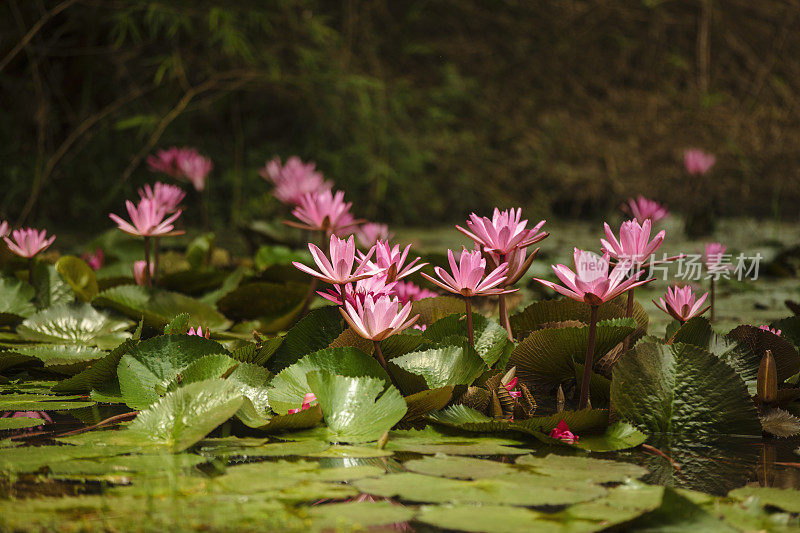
x: 697, y: 161
x: 504, y: 232
x: 467, y: 277
x: 308, y: 400
x: 378, y: 318
x: 323, y: 211
x: 147, y: 219
x: 199, y: 332
x: 773, y: 331
x: 370, y: 233
x: 183, y: 164
x: 139, y: 272
x: 642, y: 209
x: 408, y: 292
x: 28, y: 242
x: 681, y: 303
x: 591, y: 282
x: 338, y: 270
x: 5, y: 229
x: 294, y: 179
x: 634, y: 244
x: 713, y: 255
x: 510, y: 388
x: 95, y: 260
x: 391, y: 261
x: 373, y: 286
x: 562, y: 433
x: 168, y: 197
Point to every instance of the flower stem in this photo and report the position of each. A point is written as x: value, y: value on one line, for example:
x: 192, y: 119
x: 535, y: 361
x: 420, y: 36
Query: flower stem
x: 713, y: 298
x: 312, y: 288
x: 470, y: 333
x: 156, y: 255
x: 30, y: 270
x: 204, y: 211
x: 628, y: 314
x: 382, y: 361
x: 587, y: 368
x: 147, y: 280
x: 504, y: 320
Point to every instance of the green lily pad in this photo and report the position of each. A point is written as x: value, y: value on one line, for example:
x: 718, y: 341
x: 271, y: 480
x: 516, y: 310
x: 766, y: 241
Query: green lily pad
x: 80, y: 277
x: 622, y: 504
x: 356, y: 409
x: 15, y: 301
x: 738, y: 355
x: 547, y: 357
x: 488, y: 519
x: 101, y: 371
x: 521, y: 490
x: 618, y: 436
x: 491, y: 339
x: 459, y: 467
x: 677, y: 513
x: 786, y: 499
x: 32, y: 458
x: 440, y: 366
x: 252, y: 381
x: 183, y: 417
x: 587, y: 469
x: 40, y: 402
x: 65, y: 358
x: 432, y: 309
x: 146, y: 371
x: 290, y: 386
x: 314, y: 332
x: 74, y: 324
x: 21, y: 422
x: 126, y: 464
x: 267, y: 301
x: 158, y: 307
x: 257, y: 354
x: 251, y: 448
x: 50, y: 287
x: 423, y: 402
x: 681, y: 389
x: 213, y: 366
x: 357, y: 515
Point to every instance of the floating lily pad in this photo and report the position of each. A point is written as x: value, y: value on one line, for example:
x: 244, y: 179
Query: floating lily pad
x: 260, y: 448
x: 459, y: 467
x: 65, y: 358
x: 587, y: 469
x: 618, y: 436
x: 622, y: 504
x: 40, y: 402
x: 78, y: 324
x: 356, y: 409
x: 158, y: 307
x: 290, y: 386
x: 786, y: 499
x: 21, y: 422
x: 183, y: 417
x: 487, y: 519
x: 146, y: 371
x: 681, y: 389
x: 357, y: 515
x: 677, y: 513
x: 32, y: 458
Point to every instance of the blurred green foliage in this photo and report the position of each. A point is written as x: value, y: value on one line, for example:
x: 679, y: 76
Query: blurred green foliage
x: 422, y: 111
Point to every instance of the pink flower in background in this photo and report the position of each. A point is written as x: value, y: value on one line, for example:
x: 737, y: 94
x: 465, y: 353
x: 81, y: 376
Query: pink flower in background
x: 467, y: 277
x: 420, y: 327
x: 40, y: 415
x: 713, y: 255
x: 371, y: 232
x: 562, y: 433
x: 697, y: 161
x: 773, y: 331
x: 681, y: 303
x: 95, y: 260
x: 183, y: 164
x: 27, y: 242
x: 504, y: 232
x: 378, y: 318
x: 373, y: 286
x: 138, y: 272
x: 634, y: 244
x: 339, y: 269
x: 591, y: 282
x: 323, y: 211
x: 308, y: 399
x: 642, y: 209
x: 5, y: 229
x: 164, y: 195
x: 294, y: 179
x: 199, y: 332
x: 391, y: 260
x: 195, y: 168
x: 147, y: 218
x: 408, y: 292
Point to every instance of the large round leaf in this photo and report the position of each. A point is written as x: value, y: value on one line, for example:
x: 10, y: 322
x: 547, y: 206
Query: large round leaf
x: 787, y: 361
x: 738, y: 355
x: 547, y: 356
x: 188, y: 414
x: 432, y: 309
x: 51, y: 289
x: 356, y: 409
x: 268, y: 301
x: 491, y: 339
x: 15, y: 301
x: 79, y: 276
x: 146, y: 372
x: 441, y: 366
x: 681, y: 389
x: 76, y: 324
x: 315, y: 331
x: 158, y: 307
x: 290, y: 385
x: 65, y: 358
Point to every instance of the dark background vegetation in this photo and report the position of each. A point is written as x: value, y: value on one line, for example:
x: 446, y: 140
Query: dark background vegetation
x: 421, y: 110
